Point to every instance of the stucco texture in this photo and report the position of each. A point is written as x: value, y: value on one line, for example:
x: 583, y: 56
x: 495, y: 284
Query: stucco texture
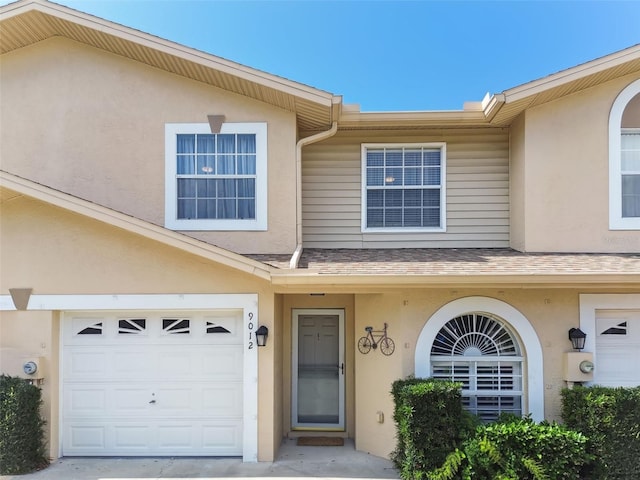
x: 562, y: 157
x: 102, y: 139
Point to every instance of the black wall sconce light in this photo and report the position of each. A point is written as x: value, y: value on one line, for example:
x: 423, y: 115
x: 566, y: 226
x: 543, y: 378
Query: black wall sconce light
x: 261, y: 335
x: 577, y: 338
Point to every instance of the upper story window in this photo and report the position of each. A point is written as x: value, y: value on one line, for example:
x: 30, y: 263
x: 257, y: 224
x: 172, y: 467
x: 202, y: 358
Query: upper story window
x: 624, y: 160
x: 216, y: 181
x: 403, y: 187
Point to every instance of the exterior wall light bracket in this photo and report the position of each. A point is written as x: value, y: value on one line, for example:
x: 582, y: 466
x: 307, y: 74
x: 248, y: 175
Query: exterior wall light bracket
x: 261, y: 335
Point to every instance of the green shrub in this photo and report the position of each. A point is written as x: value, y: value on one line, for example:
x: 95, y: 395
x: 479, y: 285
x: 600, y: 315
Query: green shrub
x: 520, y: 449
x: 430, y: 424
x: 610, y: 418
x: 22, y: 448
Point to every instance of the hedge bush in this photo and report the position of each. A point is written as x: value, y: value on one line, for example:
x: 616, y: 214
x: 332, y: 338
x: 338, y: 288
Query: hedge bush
x: 22, y: 447
x: 610, y: 418
x: 430, y: 423
x: 520, y: 449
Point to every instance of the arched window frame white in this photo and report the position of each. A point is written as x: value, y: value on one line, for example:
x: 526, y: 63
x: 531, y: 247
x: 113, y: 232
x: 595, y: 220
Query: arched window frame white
x: 533, y: 401
x: 616, y: 220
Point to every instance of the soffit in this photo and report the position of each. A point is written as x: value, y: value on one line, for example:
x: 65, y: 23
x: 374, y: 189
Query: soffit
x: 567, y: 82
x: 29, y: 23
x: 503, y: 108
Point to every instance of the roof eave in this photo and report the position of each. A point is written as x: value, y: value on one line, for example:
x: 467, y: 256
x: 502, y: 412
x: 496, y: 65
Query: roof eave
x: 133, y: 225
x: 290, y: 281
x: 372, y: 120
x: 571, y: 74
x: 303, y: 93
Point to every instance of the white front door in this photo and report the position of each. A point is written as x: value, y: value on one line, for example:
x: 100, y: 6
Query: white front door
x: 318, y: 369
x: 152, y: 383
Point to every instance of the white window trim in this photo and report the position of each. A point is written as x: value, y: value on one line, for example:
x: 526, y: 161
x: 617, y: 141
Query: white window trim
x: 171, y: 205
x: 616, y: 220
x: 532, y: 367
x: 443, y: 187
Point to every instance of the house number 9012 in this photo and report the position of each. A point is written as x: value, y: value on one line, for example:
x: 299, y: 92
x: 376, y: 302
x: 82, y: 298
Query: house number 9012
x: 250, y: 328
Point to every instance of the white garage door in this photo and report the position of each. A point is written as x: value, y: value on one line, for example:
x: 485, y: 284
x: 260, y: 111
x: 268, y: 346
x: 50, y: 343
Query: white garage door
x: 144, y: 384
x: 617, y: 348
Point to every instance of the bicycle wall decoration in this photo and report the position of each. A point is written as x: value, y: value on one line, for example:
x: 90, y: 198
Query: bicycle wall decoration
x: 373, y: 338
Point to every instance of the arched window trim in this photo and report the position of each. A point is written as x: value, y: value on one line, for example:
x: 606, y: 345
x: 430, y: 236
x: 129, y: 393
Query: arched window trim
x: 532, y: 349
x: 616, y: 220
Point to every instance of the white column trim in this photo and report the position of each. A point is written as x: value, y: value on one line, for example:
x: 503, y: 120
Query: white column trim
x: 534, y: 382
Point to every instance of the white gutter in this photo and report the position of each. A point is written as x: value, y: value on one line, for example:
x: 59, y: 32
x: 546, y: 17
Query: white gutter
x: 295, y: 258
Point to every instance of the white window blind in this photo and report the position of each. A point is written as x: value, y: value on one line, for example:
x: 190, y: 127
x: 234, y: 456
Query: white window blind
x: 403, y: 187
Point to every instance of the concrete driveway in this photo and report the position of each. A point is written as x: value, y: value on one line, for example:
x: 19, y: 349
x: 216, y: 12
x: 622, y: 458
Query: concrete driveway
x: 292, y: 461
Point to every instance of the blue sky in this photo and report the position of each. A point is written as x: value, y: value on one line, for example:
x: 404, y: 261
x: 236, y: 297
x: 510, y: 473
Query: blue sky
x: 390, y: 55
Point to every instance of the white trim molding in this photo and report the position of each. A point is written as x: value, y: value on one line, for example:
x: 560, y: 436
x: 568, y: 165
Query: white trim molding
x: 172, y: 221
x: 533, y: 361
x: 616, y: 220
x: 442, y: 188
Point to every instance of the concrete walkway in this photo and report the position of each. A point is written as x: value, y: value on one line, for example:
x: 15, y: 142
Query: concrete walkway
x: 292, y: 462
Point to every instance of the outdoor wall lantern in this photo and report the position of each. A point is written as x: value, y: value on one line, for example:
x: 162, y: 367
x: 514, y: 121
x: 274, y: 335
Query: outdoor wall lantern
x: 577, y: 338
x: 261, y: 335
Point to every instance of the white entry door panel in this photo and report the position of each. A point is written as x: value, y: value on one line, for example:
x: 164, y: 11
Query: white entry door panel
x: 152, y: 384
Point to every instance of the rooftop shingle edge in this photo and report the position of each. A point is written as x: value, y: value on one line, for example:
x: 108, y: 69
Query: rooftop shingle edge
x: 448, y: 261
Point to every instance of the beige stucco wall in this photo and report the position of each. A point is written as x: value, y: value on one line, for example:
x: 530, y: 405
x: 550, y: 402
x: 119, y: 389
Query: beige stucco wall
x: 54, y: 251
x: 35, y: 334
x: 565, y: 175
x: 517, y: 182
x: 551, y: 313
x: 91, y: 124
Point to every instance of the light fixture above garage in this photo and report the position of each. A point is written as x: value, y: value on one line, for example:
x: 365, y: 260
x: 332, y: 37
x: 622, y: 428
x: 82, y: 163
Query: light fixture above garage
x: 261, y: 335
x: 578, y: 338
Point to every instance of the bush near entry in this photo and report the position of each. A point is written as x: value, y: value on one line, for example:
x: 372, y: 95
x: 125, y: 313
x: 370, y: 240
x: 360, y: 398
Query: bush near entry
x: 22, y: 447
x: 515, y: 448
x: 436, y: 440
x: 610, y: 418
x: 430, y: 424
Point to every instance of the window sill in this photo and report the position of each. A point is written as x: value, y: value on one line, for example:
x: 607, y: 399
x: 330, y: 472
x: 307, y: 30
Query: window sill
x: 216, y: 225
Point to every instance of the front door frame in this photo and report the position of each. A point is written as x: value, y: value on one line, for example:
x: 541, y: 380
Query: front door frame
x: 296, y: 313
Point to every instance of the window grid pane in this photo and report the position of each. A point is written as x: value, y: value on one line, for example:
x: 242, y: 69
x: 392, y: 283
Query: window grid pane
x: 477, y: 351
x: 216, y: 176
x: 403, y: 187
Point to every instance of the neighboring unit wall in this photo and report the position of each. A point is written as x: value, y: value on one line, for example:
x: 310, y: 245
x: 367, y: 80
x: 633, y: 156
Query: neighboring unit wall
x: 477, y: 173
x: 562, y: 172
x: 550, y: 313
x: 92, y: 124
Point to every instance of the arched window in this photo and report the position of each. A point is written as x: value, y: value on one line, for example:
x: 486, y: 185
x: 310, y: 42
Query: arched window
x: 624, y: 160
x: 479, y: 351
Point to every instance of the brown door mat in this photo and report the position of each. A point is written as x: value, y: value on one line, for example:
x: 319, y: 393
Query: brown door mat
x: 320, y: 441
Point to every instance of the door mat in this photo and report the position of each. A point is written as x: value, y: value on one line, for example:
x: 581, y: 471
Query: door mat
x: 320, y: 441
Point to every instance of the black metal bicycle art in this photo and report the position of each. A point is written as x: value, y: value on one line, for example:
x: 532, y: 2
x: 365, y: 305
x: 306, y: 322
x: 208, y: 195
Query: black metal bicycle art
x: 373, y: 338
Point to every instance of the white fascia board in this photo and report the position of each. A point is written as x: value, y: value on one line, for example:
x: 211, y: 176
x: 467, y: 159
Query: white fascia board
x: 571, y: 74
x: 293, y: 279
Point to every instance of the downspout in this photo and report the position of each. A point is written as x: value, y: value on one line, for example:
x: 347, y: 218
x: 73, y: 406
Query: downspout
x: 295, y: 258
